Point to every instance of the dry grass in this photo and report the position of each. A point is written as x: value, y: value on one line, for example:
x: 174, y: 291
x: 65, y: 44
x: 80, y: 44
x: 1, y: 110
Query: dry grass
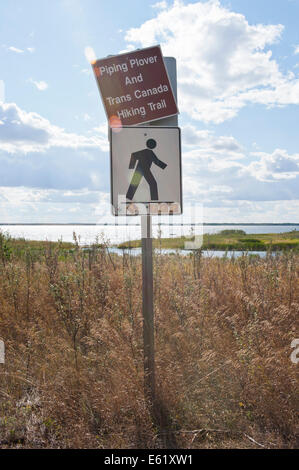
x: 73, y: 376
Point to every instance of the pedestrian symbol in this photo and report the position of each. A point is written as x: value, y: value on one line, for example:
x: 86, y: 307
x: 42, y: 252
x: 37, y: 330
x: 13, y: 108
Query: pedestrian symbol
x: 145, y: 159
x: 145, y: 168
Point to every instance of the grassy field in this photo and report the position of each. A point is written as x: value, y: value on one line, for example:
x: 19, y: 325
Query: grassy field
x: 231, y: 240
x: 73, y: 376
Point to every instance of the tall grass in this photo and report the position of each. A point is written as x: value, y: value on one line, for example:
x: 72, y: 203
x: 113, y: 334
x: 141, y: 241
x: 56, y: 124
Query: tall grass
x: 73, y: 375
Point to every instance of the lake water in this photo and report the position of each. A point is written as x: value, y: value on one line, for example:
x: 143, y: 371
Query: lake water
x: 118, y: 233
x: 205, y: 253
x: 88, y: 234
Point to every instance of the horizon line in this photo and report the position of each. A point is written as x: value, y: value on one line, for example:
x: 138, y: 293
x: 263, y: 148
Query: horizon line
x: 137, y: 224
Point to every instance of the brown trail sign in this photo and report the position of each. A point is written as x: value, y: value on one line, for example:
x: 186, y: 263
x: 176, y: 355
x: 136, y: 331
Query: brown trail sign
x: 135, y: 87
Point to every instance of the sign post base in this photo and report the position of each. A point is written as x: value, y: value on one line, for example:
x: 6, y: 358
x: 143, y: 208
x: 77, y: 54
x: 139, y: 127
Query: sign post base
x: 148, y: 308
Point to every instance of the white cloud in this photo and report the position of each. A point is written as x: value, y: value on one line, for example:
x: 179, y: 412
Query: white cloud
x: 276, y: 166
x: 15, y: 49
x: 21, y: 194
x: 160, y: 5
x: 216, y: 169
x: 129, y: 48
x: 37, y: 154
x: 296, y: 51
x: 23, y: 204
x: 25, y: 132
x: 224, y: 62
x: 218, y: 180
x: 102, y: 129
x: 207, y: 144
x: 251, y: 211
x: 41, y: 85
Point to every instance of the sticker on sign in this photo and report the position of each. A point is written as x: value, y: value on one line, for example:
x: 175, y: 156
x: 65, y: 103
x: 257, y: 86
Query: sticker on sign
x: 135, y: 87
x: 146, y: 169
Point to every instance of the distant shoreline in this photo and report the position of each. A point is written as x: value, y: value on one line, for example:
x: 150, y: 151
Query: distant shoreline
x: 231, y: 239
x: 215, y: 224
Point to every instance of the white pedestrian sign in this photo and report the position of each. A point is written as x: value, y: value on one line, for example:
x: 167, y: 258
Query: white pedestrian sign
x: 145, y: 168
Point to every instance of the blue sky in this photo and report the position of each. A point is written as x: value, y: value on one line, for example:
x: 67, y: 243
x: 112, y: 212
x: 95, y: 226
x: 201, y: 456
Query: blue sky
x: 238, y: 94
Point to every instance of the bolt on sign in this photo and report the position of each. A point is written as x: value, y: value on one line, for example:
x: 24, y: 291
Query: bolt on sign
x: 146, y: 170
x: 135, y: 87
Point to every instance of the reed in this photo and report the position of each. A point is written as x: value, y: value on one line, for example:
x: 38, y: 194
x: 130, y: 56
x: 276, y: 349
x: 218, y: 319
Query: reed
x: 73, y: 376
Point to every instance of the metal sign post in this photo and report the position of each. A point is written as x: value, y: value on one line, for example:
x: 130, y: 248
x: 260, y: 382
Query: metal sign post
x: 2, y: 352
x: 148, y: 308
x: 139, y: 93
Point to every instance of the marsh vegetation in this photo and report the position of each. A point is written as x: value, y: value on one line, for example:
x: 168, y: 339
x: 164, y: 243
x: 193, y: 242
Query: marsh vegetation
x: 73, y: 376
